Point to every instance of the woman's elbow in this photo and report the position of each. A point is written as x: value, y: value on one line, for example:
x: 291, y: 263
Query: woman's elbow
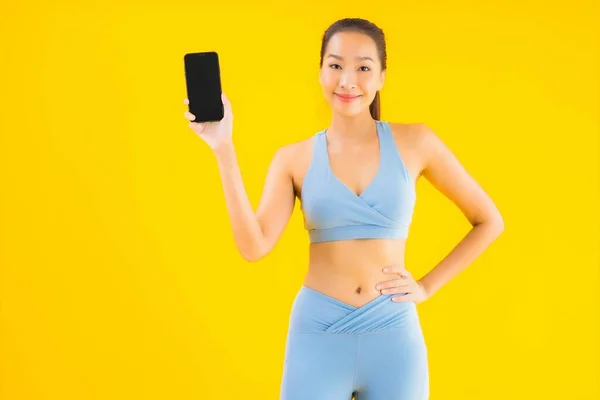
x: 493, y: 223
x: 251, y: 257
x: 497, y: 224
x: 501, y: 225
x: 253, y: 254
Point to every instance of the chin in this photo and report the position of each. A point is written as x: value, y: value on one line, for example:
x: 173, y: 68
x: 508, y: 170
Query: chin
x: 346, y: 113
x: 349, y: 111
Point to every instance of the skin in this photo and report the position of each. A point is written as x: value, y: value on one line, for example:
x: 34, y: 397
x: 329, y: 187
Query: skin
x: 351, y: 270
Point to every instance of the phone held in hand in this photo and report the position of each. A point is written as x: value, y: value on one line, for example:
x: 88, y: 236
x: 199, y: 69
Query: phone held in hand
x: 203, y: 83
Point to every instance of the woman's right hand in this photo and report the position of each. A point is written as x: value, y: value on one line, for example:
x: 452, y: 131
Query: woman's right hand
x: 214, y: 133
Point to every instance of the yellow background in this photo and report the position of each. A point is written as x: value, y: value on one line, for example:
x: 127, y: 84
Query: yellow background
x: 119, y: 276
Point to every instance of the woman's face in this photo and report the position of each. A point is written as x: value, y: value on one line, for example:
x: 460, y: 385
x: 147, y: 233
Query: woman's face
x: 351, y: 67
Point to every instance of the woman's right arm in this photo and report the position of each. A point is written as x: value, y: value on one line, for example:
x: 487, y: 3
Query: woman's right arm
x: 256, y: 234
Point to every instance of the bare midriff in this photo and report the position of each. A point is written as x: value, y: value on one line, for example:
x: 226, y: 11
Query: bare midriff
x: 349, y: 270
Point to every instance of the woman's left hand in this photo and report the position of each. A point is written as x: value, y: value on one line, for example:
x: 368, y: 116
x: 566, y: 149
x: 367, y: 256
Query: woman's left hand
x: 415, y: 290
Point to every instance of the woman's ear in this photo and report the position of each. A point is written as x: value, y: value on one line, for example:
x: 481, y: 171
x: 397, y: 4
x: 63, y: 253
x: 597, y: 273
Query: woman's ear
x: 381, y: 80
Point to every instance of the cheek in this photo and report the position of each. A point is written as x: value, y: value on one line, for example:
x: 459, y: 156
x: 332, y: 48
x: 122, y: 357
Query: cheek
x: 328, y: 80
x: 369, y: 83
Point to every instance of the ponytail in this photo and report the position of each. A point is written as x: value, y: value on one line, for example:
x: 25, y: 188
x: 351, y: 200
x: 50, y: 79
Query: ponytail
x: 375, y: 107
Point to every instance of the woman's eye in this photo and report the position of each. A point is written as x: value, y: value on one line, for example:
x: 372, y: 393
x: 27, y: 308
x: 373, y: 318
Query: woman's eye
x: 337, y: 65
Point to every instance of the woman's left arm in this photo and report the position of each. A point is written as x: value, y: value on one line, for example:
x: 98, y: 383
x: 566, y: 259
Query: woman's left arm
x: 446, y: 174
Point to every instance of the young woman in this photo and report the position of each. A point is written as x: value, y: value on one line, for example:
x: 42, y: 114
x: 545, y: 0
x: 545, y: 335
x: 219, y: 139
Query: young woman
x: 354, y: 328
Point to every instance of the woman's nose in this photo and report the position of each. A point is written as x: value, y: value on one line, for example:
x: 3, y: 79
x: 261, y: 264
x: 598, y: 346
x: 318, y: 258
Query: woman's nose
x: 347, y: 81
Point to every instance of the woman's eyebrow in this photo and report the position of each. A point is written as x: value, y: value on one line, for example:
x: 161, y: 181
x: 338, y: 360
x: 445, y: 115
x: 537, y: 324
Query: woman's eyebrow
x: 363, y: 58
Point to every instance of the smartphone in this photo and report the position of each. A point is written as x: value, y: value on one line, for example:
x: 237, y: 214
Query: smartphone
x: 203, y: 83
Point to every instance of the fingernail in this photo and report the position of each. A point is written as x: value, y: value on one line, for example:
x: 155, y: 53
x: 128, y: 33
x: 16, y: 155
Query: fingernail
x: 378, y: 287
x: 385, y: 270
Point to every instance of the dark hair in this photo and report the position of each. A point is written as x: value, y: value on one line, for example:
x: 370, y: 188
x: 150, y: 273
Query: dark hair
x: 374, y: 32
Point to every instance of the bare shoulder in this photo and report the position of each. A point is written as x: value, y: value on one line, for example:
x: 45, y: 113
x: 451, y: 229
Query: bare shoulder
x: 293, y: 153
x: 409, y: 134
x: 440, y: 166
x: 295, y: 158
x: 294, y: 149
x: 410, y: 141
x: 428, y: 144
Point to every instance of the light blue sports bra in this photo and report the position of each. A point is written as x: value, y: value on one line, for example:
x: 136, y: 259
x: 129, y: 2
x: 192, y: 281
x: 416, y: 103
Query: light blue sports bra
x: 334, y: 212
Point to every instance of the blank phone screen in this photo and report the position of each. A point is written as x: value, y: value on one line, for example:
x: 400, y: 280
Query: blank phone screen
x: 203, y: 82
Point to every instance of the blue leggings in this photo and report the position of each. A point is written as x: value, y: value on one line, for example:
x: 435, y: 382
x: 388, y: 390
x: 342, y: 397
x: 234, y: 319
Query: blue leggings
x: 335, y: 351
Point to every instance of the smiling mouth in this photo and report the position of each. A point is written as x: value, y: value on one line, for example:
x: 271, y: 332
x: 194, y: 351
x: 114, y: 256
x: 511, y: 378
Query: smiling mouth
x: 346, y: 98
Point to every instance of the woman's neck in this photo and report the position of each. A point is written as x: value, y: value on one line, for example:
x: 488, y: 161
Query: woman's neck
x: 351, y: 130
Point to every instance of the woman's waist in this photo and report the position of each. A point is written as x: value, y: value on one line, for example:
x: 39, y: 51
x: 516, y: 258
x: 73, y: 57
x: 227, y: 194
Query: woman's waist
x: 350, y: 271
x: 361, y: 257
x: 317, y: 312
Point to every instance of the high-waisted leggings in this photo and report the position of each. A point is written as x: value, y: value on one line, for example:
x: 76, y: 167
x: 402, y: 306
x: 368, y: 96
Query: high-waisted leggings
x: 335, y: 351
